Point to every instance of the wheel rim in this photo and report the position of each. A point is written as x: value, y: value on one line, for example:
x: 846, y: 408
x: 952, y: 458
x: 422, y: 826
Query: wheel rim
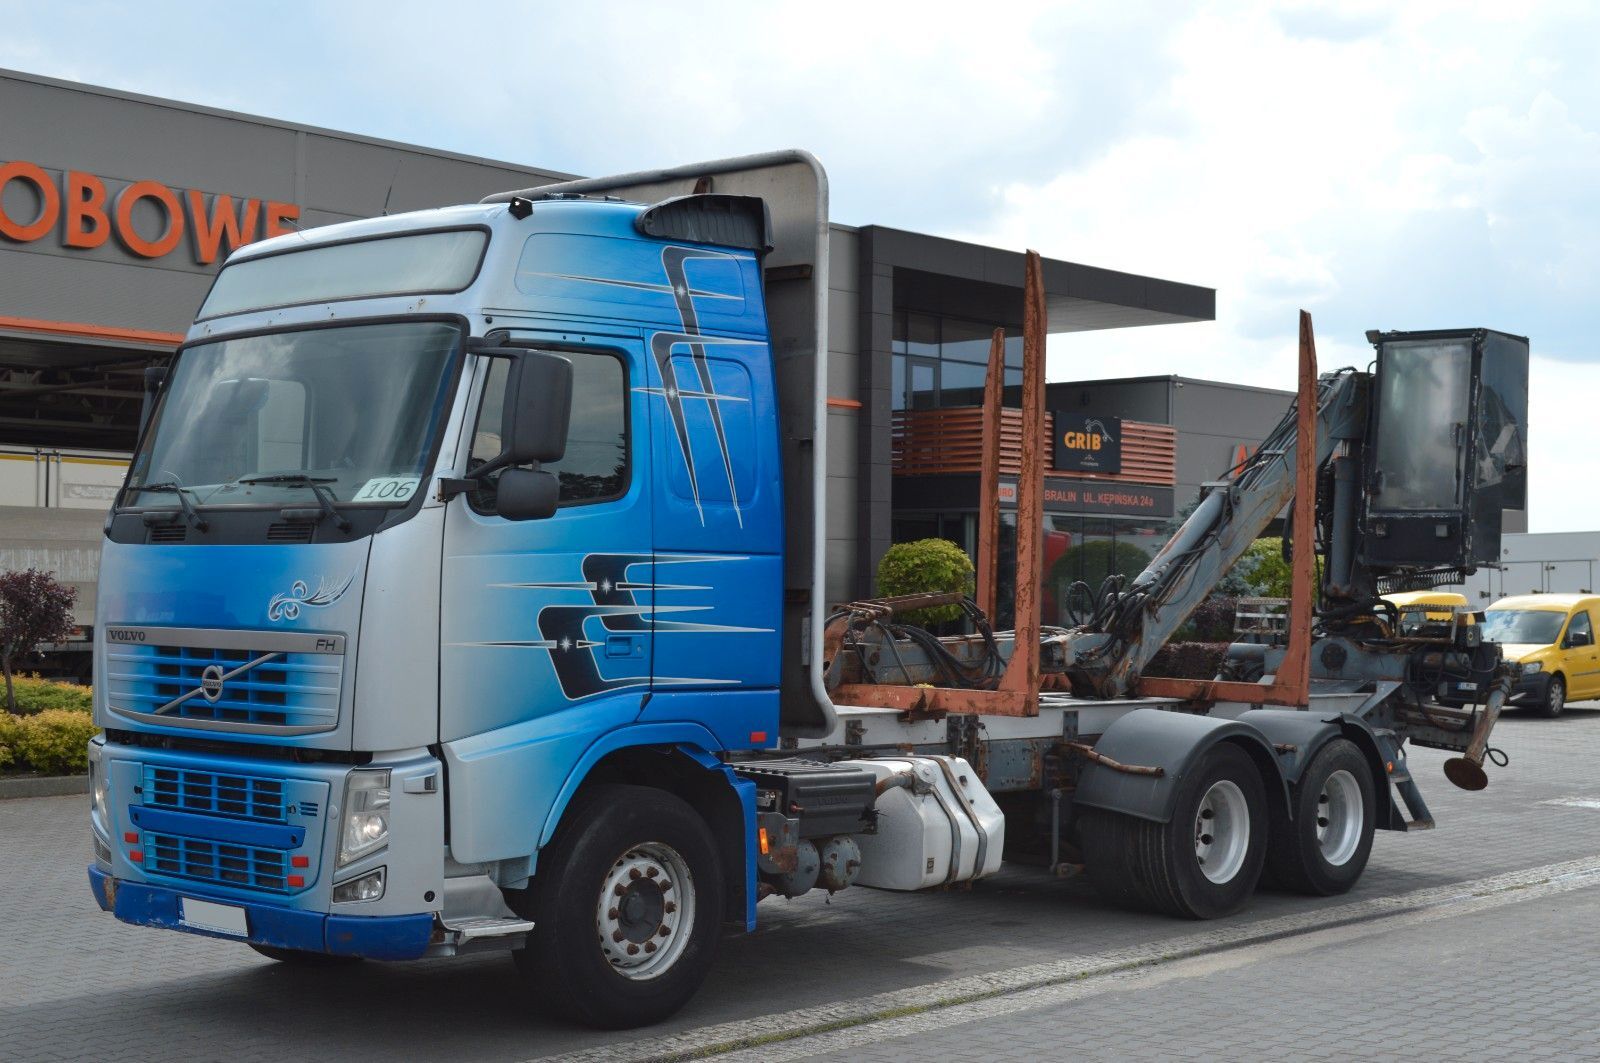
x: 1340, y: 816
x: 645, y: 913
x: 1222, y: 831
x: 1557, y: 696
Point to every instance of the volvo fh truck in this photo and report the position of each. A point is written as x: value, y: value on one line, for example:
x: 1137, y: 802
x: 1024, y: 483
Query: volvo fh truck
x: 465, y: 593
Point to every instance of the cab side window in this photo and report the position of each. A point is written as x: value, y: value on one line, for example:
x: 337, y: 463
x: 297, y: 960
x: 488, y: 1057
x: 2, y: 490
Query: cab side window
x: 1579, y: 631
x: 595, y: 465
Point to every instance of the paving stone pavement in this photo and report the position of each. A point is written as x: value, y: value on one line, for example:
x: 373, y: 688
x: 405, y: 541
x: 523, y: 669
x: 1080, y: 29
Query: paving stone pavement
x: 1512, y: 983
x: 75, y: 983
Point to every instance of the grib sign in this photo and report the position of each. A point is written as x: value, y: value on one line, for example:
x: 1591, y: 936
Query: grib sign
x: 1085, y: 443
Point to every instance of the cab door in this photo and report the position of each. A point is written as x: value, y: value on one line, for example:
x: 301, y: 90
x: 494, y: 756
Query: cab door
x: 1580, y: 656
x: 541, y: 618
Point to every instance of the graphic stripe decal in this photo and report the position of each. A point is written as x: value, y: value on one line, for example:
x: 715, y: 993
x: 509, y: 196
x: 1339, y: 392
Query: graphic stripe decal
x: 606, y: 580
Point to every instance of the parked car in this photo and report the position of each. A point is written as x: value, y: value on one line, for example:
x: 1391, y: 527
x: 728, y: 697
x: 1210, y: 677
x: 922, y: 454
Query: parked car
x: 1552, y: 637
x: 1412, y: 620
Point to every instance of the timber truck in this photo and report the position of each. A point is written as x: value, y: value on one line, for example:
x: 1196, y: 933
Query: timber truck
x: 465, y: 593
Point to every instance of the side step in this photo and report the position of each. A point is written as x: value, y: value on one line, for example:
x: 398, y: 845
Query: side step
x: 477, y: 934
x: 465, y: 930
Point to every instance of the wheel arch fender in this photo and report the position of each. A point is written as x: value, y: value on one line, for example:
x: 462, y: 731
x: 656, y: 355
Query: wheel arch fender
x: 678, y: 758
x: 1173, y: 742
x: 1297, y: 737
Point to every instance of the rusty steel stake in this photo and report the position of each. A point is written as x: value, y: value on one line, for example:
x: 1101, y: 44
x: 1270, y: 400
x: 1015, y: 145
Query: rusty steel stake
x: 989, y: 478
x: 1022, y: 670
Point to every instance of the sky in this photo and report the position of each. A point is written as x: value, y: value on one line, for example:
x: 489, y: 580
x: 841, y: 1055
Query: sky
x: 1394, y: 166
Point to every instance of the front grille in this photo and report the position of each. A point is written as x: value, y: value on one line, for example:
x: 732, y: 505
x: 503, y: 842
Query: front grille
x: 221, y: 862
x: 214, y: 793
x: 233, y: 688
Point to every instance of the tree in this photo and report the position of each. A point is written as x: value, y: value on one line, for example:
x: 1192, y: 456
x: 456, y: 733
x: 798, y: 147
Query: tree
x: 34, y: 609
x: 927, y: 566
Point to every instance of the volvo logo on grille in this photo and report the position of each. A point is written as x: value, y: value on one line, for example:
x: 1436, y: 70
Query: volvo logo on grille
x: 211, y: 682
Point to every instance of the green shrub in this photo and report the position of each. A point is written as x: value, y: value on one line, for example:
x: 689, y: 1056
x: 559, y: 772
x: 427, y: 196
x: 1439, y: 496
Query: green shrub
x: 52, y: 742
x: 1093, y: 561
x: 10, y: 731
x: 37, y: 695
x: 927, y: 566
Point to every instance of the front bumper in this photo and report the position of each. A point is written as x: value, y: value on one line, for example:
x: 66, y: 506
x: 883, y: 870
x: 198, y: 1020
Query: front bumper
x: 1535, y: 687
x: 381, y: 937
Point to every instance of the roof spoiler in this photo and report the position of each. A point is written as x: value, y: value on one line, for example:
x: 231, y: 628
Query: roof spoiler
x: 710, y: 218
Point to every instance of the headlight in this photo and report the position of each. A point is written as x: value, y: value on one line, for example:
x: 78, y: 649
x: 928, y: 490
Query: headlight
x: 99, y: 789
x: 368, y: 887
x: 1532, y: 667
x: 366, y: 815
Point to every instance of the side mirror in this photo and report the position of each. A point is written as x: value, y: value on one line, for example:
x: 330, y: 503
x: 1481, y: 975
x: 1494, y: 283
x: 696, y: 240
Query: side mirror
x: 533, y: 430
x: 526, y: 494
x: 155, y: 377
x: 533, y: 424
x: 1579, y: 638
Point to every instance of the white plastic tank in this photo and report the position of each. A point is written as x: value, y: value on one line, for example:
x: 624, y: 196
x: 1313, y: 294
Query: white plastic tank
x: 936, y: 825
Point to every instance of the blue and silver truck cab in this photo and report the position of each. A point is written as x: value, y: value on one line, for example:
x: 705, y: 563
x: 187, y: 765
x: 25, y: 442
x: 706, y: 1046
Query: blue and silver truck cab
x: 466, y: 592
x: 443, y: 528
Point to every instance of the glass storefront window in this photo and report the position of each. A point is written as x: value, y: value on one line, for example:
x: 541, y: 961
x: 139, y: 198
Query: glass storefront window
x: 940, y: 362
x: 922, y: 389
x: 965, y: 341
x: 922, y: 335
x: 961, y: 384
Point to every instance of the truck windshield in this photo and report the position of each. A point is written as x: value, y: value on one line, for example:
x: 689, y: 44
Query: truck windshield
x: 1531, y: 627
x: 255, y: 421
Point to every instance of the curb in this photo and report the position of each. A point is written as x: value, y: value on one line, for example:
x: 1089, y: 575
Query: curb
x: 44, y: 786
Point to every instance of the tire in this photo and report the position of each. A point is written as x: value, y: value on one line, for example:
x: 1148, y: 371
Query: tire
x: 1555, y: 698
x: 626, y: 863
x: 302, y: 958
x: 1323, y: 850
x: 1162, y: 866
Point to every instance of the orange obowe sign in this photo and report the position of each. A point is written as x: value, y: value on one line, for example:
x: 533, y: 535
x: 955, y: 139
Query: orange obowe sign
x: 81, y: 210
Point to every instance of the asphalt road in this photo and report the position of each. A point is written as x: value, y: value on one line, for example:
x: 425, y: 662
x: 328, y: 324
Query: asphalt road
x: 1471, y: 940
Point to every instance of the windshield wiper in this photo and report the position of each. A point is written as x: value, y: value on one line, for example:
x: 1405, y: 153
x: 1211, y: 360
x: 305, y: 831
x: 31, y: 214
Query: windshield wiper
x: 190, y: 514
x: 318, y: 485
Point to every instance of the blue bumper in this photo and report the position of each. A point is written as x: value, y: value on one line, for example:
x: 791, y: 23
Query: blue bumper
x: 392, y: 937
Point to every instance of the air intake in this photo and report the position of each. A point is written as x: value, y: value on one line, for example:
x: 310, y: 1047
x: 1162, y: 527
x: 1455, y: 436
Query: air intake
x: 167, y: 533
x: 284, y: 531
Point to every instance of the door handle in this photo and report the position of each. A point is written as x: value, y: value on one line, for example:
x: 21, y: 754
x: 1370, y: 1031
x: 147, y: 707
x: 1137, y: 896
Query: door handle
x: 624, y: 646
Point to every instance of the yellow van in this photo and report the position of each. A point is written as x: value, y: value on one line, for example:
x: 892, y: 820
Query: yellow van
x: 1411, y: 619
x: 1552, y: 636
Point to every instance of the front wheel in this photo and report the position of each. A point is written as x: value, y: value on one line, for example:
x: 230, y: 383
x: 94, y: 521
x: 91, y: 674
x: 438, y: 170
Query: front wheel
x: 1324, y: 848
x: 1555, y: 698
x: 1201, y: 864
x: 626, y: 906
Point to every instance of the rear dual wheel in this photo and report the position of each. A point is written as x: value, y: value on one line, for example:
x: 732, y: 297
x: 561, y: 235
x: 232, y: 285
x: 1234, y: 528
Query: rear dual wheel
x: 1201, y: 864
x: 1323, y: 849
